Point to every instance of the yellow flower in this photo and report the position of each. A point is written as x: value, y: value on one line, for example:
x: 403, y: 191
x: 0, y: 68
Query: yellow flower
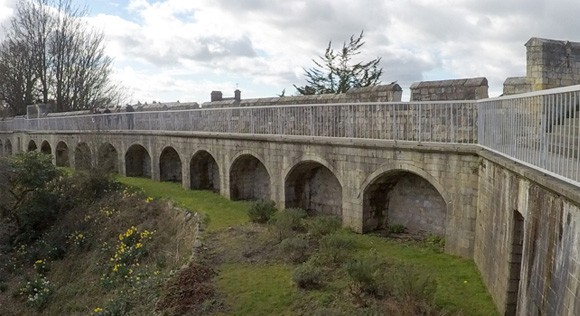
x: 97, y: 310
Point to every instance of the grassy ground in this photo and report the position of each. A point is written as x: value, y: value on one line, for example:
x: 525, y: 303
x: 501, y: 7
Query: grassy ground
x: 222, y: 212
x: 252, y: 283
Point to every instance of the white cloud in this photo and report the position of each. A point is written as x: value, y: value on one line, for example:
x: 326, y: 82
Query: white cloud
x: 184, y: 49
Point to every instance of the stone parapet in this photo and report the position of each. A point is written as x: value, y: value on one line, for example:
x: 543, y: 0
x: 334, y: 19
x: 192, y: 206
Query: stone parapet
x: 444, y: 90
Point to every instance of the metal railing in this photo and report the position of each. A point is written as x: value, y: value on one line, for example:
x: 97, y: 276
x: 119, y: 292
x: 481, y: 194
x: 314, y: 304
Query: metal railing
x: 541, y: 129
x: 448, y: 122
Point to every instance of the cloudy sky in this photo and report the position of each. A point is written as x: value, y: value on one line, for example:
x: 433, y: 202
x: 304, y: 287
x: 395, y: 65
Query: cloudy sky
x: 183, y: 49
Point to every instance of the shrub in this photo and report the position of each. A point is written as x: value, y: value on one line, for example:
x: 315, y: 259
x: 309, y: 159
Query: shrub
x: 295, y: 249
x: 397, y: 229
x: 261, y: 211
x: 363, y: 272
x: 288, y: 221
x: 435, y: 242
x: 323, y: 225
x: 307, y: 276
x: 336, y: 248
x: 407, y: 282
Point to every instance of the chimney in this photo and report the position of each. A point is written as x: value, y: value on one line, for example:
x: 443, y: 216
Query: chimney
x: 237, y: 95
x: 216, y: 96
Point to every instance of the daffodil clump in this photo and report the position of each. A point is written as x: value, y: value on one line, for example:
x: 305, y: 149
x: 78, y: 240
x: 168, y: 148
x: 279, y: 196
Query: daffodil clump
x: 41, y: 266
x: 77, y: 238
x: 130, y: 248
x: 37, y: 291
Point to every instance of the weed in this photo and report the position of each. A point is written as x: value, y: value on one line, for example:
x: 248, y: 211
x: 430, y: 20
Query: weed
x: 397, y: 229
x: 435, y: 242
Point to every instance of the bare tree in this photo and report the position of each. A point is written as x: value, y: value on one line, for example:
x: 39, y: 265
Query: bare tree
x: 65, y: 59
x: 18, y: 79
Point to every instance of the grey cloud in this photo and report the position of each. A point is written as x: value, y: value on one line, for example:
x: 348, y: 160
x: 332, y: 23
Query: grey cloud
x: 202, y: 50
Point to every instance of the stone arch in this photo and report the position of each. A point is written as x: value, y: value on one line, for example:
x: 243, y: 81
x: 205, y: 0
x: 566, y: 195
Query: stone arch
x: 249, y: 178
x: 32, y: 146
x: 8, y: 148
x: 62, y: 155
x: 83, y: 157
x: 407, y: 196
x: 45, y: 148
x: 170, y: 168
x: 137, y: 162
x: 312, y: 184
x: 204, y: 172
x: 107, y: 158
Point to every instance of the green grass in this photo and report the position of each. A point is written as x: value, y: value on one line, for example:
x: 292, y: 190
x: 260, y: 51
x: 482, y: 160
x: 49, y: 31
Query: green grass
x: 222, y: 212
x: 267, y: 289
x: 262, y: 289
x: 459, y: 285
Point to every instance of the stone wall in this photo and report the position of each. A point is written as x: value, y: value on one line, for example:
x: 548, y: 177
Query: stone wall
x: 527, y: 235
x: 382, y: 93
x: 516, y: 85
x: 550, y: 64
x: 444, y: 90
x: 262, y: 166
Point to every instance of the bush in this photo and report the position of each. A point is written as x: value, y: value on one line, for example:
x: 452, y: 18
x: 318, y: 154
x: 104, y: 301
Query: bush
x: 323, y: 225
x: 307, y: 276
x: 288, y: 221
x: 405, y: 281
x: 336, y: 248
x: 397, y: 229
x: 435, y: 242
x: 364, y: 272
x: 261, y: 211
x: 295, y: 249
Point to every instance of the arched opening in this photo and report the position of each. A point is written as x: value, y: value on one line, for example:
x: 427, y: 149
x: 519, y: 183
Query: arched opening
x: 83, y: 157
x: 249, y: 179
x: 31, y: 146
x: 137, y: 162
x: 45, y: 148
x: 169, y: 165
x: 204, y: 172
x: 8, y: 148
x: 107, y: 158
x: 313, y: 187
x: 400, y: 197
x: 62, y: 157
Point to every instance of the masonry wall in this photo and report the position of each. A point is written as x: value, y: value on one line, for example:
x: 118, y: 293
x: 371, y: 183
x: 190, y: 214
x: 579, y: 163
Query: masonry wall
x: 552, y: 63
x: 354, y: 164
x: 445, y: 90
x: 538, y: 276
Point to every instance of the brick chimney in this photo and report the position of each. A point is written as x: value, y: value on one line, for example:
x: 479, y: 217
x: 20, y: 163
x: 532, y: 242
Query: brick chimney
x: 216, y: 96
x: 237, y: 95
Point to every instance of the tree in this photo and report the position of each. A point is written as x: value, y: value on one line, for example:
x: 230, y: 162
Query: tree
x: 51, y: 55
x: 336, y: 73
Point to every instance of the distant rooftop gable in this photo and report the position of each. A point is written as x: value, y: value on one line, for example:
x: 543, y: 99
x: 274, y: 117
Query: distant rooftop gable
x: 382, y: 93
